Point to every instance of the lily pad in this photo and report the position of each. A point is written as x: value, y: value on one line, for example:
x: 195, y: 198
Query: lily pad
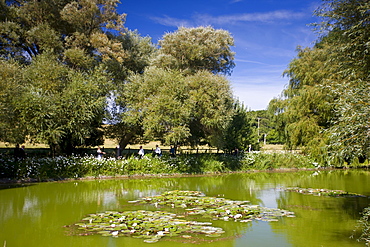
x: 127, y: 224
x: 216, y: 208
x: 323, y: 192
x: 154, y: 225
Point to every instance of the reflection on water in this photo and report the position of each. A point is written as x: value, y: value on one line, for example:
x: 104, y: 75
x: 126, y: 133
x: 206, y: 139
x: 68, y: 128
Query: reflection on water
x: 37, y: 215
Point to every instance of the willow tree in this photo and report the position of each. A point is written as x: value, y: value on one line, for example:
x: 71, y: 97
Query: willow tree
x: 304, y: 110
x: 65, y: 51
x: 349, y: 21
x: 194, y: 49
x: 12, y: 130
x: 178, y: 109
x: 325, y: 108
x: 60, y: 106
x: 180, y: 97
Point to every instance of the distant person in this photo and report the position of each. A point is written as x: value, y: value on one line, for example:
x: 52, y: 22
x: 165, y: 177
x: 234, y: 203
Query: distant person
x: 22, y: 152
x: 157, y: 151
x: 100, y: 153
x: 118, y: 152
x: 19, y: 153
x: 172, y: 151
x: 141, y: 152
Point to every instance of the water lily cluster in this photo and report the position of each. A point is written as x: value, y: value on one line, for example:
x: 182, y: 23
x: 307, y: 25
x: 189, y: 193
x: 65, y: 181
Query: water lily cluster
x: 149, y: 225
x: 323, y: 192
x: 215, y: 208
x: 154, y: 225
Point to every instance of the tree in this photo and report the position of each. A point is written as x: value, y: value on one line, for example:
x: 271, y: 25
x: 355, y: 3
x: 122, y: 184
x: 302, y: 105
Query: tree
x: 175, y: 108
x: 146, y: 105
x: 265, y: 131
x: 71, y: 29
x: 72, y: 56
x: 304, y: 110
x: 326, y: 104
x: 239, y: 132
x: 60, y: 106
x: 138, y: 51
x: 349, y: 22
x: 194, y: 49
x: 12, y: 130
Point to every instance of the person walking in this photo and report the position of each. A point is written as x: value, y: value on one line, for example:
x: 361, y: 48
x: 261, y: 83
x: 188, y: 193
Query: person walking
x: 141, y: 152
x: 118, y: 152
x: 158, y: 151
x: 100, y: 153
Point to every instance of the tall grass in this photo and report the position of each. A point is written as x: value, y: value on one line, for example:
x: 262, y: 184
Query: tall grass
x: 88, y: 166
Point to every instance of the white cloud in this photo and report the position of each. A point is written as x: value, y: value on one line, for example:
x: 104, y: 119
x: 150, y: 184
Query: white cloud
x: 206, y: 19
x: 267, y: 17
x: 171, y: 22
x: 249, y: 61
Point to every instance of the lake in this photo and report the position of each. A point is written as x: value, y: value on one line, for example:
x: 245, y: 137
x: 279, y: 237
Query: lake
x: 42, y: 214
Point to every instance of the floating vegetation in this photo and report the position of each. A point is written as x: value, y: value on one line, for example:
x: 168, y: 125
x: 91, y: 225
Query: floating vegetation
x: 215, y: 208
x: 148, y: 225
x: 153, y: 225
x: 323, y: 192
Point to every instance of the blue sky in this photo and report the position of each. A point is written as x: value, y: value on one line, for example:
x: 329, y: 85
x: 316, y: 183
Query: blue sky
x: 266, y: 34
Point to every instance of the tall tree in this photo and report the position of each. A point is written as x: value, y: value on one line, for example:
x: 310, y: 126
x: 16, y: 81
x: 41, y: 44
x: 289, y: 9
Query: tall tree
x: 12, y: 130
x: 349, y: 21
x: 175, y: 108
x: 194, y: 49
x: 184, y: 66
x: 60, y: 106
x: 77, y: 30
x: 69, y: 51
x: 326, y: 103
x: 238, y: 133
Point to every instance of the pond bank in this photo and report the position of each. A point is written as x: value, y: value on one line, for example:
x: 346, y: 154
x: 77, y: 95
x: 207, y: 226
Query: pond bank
x: 47, y: 169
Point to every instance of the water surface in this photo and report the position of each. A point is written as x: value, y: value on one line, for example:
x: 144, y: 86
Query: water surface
x: 40, y: 214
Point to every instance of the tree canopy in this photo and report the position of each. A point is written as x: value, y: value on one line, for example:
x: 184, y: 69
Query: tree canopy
x: 180, y: 98
x: 325, y: 107
x: 194, y: 49
x: 69, y: 66
x: 56, y: 73
x: 177, y: 108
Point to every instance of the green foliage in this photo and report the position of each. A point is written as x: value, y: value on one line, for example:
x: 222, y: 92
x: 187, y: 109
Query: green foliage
x: 11, y: 128
x: 305, y: 108
x: 76, y: 53
x: 327, y: 100
x: 88, y: 166
x: 264, y: 128
x: 363, y: 225
x: 30, y: 28
x: 266, y: 161
x: 53, y: 104
x: 195, y: 49
x: 239, y: 133
x: 175, y: 108
x: 69, y: 64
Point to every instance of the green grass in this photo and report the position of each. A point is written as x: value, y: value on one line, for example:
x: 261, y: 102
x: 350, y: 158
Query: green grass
x: 88, y: 166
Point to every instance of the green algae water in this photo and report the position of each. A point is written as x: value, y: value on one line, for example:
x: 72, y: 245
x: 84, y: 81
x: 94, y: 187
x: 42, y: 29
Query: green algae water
x: 45, y: 214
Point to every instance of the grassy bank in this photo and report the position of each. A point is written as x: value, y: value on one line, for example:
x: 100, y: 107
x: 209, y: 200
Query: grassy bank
x: 74, y: 167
